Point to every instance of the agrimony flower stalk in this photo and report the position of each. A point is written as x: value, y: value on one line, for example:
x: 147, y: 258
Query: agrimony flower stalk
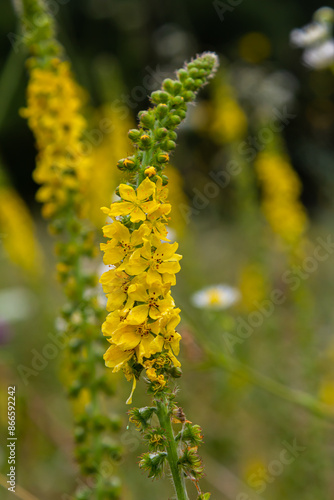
x: 53, y: 111
x: 142, y: 320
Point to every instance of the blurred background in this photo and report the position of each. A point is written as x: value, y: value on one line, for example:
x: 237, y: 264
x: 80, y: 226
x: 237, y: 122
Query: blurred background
x: 251, y: 186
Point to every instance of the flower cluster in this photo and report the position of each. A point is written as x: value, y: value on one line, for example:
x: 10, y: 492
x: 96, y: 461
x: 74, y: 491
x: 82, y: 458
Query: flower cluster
x: 62, y: 166
x: 281, y: 190
x: 142, y: 314
x: 64, y: 169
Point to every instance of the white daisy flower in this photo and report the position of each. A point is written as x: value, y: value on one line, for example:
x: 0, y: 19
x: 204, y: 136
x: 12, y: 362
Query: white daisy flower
x: 320, y: 57
x: 309, y: 35
x: 215, y: 297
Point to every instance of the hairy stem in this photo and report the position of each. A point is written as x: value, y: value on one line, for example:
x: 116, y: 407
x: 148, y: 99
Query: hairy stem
x: 165, y: 422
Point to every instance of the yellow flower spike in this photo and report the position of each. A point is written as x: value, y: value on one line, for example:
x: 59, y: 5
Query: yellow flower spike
x: 150, y: 171
x: 141, y: 328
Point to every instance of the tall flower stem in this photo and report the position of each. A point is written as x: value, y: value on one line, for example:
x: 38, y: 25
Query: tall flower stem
x: 171, y: 448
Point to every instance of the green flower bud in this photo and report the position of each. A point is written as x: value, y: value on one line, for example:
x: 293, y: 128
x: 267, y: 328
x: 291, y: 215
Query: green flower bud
x: 175, y: 372
x: 161, y: 133
x: 170, y: 145
x: 177, y: 87
x: 172, y: 135
x: 178, y: 100
x: 193, y: 73
x: 167, y: 85
x: 134, y: 134
x: 147, y: 119
x: 162, y: 110
x: 181, y: 113
x: 175, y: 120
x: 163, y: 158
x: 145, y: 141
x: 164, y: 180
x: 182, y: 75
x: 126, y: 164
x: 159, y: 97
x: 188, y: 96
x: 189, y: 84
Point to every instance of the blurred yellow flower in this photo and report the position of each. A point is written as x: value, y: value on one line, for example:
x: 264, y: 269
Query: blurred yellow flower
x: 53, y: 108
x: 281, y: 206
x: 17, y: 232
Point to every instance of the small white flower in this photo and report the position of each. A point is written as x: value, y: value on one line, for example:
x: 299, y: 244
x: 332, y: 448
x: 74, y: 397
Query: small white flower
x: 309, y: 35
x: 216, y: 297
x: 320, y: 57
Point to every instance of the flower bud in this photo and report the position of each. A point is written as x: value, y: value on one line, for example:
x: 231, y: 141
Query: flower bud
x: 150, y: 171
x: 167, y: 85
x: 188, y: 96
x: 147, y: 119
x: 145, y: 141
x: 163, y: 158
x: 162, y: 110
x: 189, y: 84
x: 161, y: 133
x: 159, y: 96
x: 134, y: 134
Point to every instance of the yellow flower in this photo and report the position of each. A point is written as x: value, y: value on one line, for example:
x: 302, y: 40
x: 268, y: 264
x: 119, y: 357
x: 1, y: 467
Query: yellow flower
x: 154, y: 305
x: 113, y: 321
x: 122, y: 241
x: 167, y: 338
x: 137, y: 203
x: 160, y: 265
x: 115, y: 285
x: 135, y: 337
x: 115, y: 357
x: 156, y: 221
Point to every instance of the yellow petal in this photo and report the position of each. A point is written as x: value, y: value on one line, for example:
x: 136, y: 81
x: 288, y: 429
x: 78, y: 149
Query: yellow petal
x: 127, y: 193
x: 145, y: 189
x: 138, y: 315
x: 137, y: 215
x: 120, y: 208
x: 134, y: 383
x: 115, y: 357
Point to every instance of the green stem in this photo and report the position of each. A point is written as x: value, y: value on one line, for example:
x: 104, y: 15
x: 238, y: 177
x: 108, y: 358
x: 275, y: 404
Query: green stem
x: 165, y: 422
